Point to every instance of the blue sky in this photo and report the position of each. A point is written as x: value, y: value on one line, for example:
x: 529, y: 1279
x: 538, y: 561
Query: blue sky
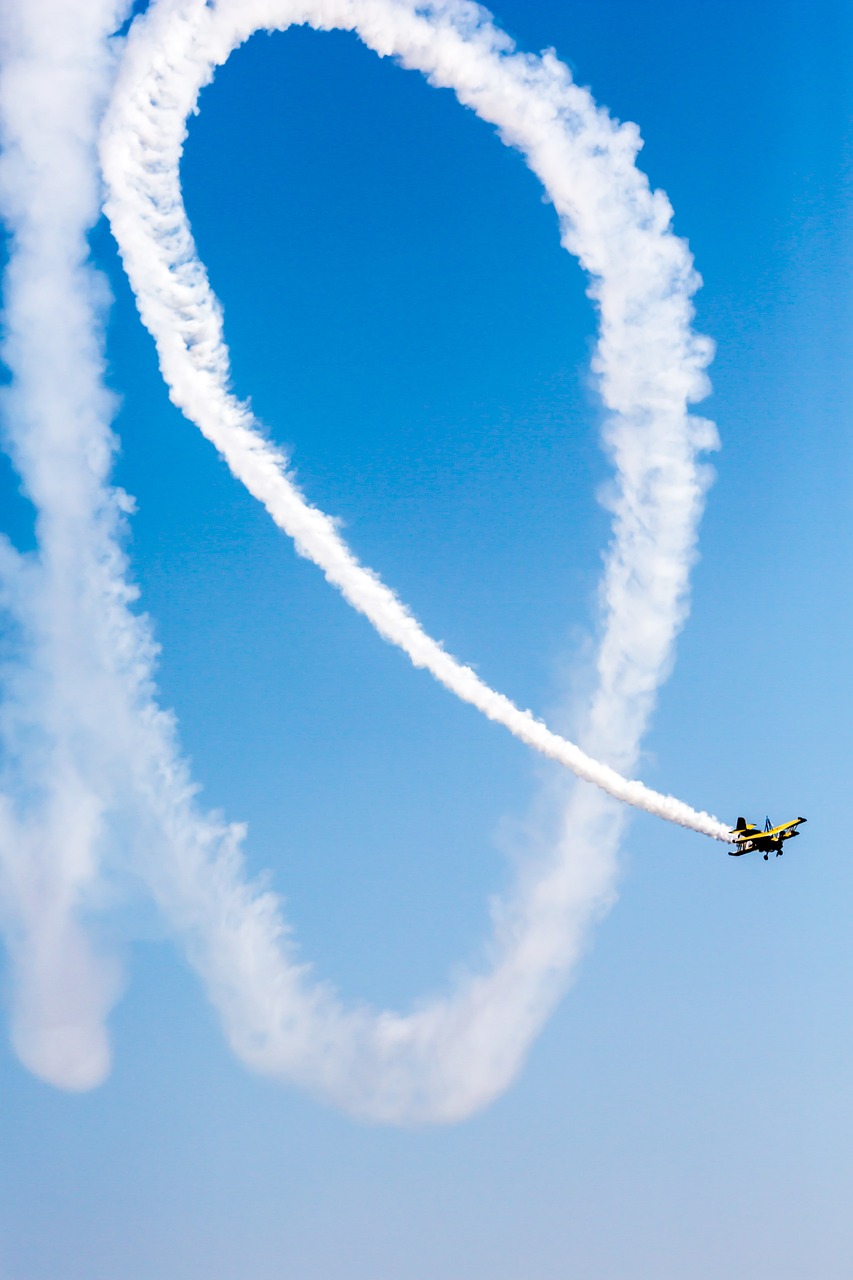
x: 401, y: 314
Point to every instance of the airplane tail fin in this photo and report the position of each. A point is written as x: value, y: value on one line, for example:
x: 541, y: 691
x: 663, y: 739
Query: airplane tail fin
x: 741, y: 823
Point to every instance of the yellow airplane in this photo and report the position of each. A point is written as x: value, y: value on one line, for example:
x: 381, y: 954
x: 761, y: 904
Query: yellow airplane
x: 747, y: 838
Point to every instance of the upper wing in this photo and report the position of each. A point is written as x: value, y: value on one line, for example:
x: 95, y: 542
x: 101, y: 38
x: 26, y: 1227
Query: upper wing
x: 789, y: 827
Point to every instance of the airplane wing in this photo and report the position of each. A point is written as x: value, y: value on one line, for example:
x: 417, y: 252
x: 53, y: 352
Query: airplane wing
x: 785, y: 826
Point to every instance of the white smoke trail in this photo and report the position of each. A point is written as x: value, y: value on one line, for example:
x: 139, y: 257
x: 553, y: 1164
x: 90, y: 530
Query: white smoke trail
x: 93, y: 782
x: 59, y: 604
x: 650, y: 362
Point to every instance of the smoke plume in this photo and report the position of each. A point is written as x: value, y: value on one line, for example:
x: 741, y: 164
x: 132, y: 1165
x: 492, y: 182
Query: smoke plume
x: 94, y: 784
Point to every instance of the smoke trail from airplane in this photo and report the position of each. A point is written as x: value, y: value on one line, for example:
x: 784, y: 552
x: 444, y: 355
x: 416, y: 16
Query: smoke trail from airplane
x: 94, y: 793
x: 63, y: 607
x: 649, y: 361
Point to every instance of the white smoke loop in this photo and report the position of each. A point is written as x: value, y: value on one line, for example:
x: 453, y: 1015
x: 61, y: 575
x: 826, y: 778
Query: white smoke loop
x: 647, y: 376
x: 93, y: 783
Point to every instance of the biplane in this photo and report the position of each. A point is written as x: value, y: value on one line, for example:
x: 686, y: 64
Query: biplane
x: 748, y: 839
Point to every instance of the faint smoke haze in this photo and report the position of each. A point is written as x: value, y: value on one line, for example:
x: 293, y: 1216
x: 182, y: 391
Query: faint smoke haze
x: 93, y: 778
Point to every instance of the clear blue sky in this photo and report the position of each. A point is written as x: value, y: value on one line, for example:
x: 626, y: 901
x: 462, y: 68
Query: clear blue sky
x: 402, y: 315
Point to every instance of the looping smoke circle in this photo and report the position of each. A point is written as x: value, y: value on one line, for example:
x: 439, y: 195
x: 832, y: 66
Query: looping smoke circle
x: 455, y: 1053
